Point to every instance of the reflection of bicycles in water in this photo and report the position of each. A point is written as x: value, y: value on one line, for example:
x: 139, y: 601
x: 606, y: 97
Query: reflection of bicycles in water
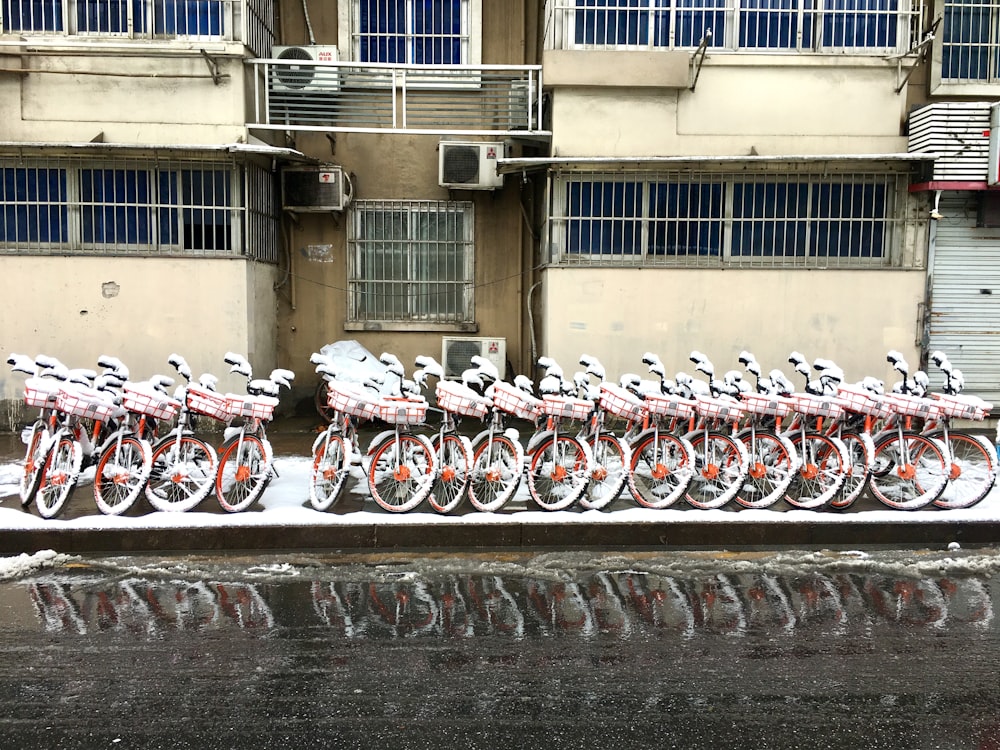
x: 560, y: 606
x: 56, y: 608
x: 493, y: 605
x: 399, y: 609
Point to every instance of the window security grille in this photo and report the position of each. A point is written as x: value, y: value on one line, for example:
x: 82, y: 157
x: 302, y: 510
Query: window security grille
x: 411, y: 261
x: 728, y: 220
x: 970, y: 42
x: 858, y: 26
x: 136, y: 207
x: 412, y: 31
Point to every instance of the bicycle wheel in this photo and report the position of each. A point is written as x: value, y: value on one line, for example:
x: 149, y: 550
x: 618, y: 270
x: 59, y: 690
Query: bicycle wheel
x: 771, y: 468
x: 38, y: 445
x: 454, y: 459
x: 59, y: 476
x: 244, y: 472
x: 609, y: 472
x: 719, y: 469
x: 320, y: 396
x: 910, y: 471
x: 182, y: 474
x: 558, y: 472
x: 401, y: 472
x: 331, y: 466
x: 661, y: 469
x: 972, y: 472
x: 822, y: 472
x: 497, y: 466
x: 860, y: 454
x: 122, y: 473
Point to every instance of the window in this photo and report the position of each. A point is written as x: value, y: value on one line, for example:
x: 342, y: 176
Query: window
x: 423, y: 32
x: 726, y: 220
x: 130, y: 18
x: 863, y: 26
x: 970, y: 42
x: 115, y: 208
x: 411, y: 261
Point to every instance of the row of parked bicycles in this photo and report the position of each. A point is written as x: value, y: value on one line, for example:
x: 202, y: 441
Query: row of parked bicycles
x: 141, y: 438
x: 746, y: 437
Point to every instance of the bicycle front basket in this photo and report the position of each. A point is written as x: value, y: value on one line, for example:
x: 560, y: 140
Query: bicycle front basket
x: 352, y: 399
x: 148, y: 401
x: 511, y: 399
x: 251, y: 407
x: 403, y: 410
x: 963, y: 407
x: 40, y: 393
x: 566, y: 407
x: 460, y: 399
x: 669, y: 405
x: 764, y: 405
x: 85, y: 402
x: 203, y: 401
x: 621, y: 403
x: 914, y: 406
x: 718, y: 408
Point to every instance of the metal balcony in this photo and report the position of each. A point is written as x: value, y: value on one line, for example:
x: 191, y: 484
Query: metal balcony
x: 496, y: 100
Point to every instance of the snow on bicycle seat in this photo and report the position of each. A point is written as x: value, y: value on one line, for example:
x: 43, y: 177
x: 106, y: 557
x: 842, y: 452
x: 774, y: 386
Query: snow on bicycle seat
x: 458, y: 398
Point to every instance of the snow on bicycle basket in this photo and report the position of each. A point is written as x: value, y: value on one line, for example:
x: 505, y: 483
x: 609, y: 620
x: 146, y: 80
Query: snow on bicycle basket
x: 460, y: 399
x: 963, y: 407
x: 147, y: 400
x: 209, y: 403
x: 621, y: 403
x: 85, y: 402
x: 352, y: 399
x: 511, y: 399
x: 764, y: 405
x: 251, y: 407
x: 40, y: 393
x: 403, y: 410
x: 913, y: 406
x: 567, y: 407
x: 818, y: 406
x: 862, y: 401
x: 719, y: 408
x: 669, y: 405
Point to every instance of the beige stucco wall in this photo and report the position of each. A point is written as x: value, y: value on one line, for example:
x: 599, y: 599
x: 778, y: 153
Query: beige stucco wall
x: 741, y: 105
x: 117, y: 97
x: 140, y: 310
x: 851, y: 317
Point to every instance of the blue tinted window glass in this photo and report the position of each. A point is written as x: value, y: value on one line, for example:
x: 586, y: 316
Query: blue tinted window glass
x: 685, y: 219
x: 33, y: 15
x: 860, y: 23
x: 769, y: 218
x: 848, y: 221
x: 769, y: 24
x: 604, y: 218
x: 33, y: 205
x: 115, y: 206
x: 967, y: 30
x: 696, y: 17
x: 437, y: 29
x: 613, y: 22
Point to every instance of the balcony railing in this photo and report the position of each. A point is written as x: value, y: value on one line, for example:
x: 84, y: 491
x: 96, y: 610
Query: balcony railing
x: 371, y: 97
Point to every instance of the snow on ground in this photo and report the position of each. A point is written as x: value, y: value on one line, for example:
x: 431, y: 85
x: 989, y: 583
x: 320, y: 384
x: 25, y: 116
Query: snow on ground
x: 286, y: 503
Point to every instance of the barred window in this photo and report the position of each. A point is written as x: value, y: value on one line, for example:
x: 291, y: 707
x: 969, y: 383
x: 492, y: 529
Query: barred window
x: 735, y: 220
x: 159, y: 18
x: 125, y: 207
x: 861, y: 26
x: 411, y: 262
x: 423, y: 32
x: 971, y: 42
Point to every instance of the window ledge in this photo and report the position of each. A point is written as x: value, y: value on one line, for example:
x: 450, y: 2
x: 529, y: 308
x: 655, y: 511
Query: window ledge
x: 412, y: 327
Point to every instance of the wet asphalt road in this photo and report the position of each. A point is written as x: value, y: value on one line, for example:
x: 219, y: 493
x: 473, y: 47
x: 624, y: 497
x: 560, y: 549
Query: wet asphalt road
x: 514, y: 650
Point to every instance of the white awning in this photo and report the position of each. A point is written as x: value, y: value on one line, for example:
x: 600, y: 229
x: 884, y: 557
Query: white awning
x: 249, y: 149
x: 536, y: 164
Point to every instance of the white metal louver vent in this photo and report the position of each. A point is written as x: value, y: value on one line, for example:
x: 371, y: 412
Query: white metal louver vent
x: 469, y: 166
x: 959, y: 132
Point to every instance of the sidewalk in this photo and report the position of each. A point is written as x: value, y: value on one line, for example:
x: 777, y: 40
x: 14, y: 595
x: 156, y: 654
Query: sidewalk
x: 283, y: 520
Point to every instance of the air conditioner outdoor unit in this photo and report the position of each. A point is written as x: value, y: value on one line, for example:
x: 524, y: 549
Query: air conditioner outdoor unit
x: 318, y: 188
x: 295, y: 73
x: 457, y: 353
x: 469, y: 165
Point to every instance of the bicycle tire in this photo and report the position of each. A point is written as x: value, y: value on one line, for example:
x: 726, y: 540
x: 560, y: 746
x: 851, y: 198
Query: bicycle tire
x: 182, y: 474
x: 497, y: 466
x: 860, y: 455
x: 401, y: 472
x: 59, y: 477
x: 451, y: 481
x: 719, y: 470
x: 612, y: 458
x: 972, y: 473
x: 558, y: 472
x: 332, y: 456
x: 38, y: 445
x: 245, y: 470
x: 661, y: 469
x: 320, y: 396
x: 822, y: 471
x: 913, y: 483
x: 121, y: 475
x: 771, y: 468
